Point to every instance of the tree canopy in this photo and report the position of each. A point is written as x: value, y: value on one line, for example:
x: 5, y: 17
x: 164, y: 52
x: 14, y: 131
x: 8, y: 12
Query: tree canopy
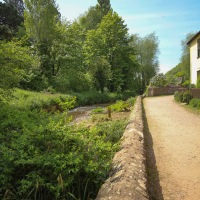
x: 95, y: 52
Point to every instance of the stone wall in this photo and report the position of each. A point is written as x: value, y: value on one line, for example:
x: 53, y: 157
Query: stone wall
x: 157, y: 91
x: 127, y: 179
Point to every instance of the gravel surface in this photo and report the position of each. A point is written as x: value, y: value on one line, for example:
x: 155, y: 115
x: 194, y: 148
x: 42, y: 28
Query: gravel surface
x: 175, y: 135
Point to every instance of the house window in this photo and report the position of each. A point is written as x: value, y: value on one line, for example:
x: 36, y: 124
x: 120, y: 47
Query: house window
x: 198, y: 50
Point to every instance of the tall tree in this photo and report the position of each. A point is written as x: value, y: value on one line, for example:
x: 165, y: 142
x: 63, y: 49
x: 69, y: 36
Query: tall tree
x: 41, y: 18
x: 185, y: 57
x: 109, y: 45
x: 72, y: 74
x: 90, y: 19
x: 42, y: 22
x: 18, y: 5
x: 14, y: 63
x: 147, y: 50
x: 104, y: 6
x: 9, y: 21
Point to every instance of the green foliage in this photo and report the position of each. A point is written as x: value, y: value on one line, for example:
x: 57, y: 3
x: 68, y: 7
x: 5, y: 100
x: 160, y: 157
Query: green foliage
x: 91, y: 18
x: 147, y: 49
x: 198, y: 81
x: 183, y: 68
x: 187, y: 96
x: 108, y: 56
x: 195, y: 103
x: 111, y: 130
x: 178, y: 96
x: 14, y: 63
x: 100, y: 118
x: 98, y: 110
x: 120, y: 105
x: 94, y: 97
x: 183, y: 97
x: 186, y: 84
x: 158, y: 80
x: 44, y: 158
x: 171, y: 77
x: 41, y: 18
x: 42, y: 101
x: 10, y: 21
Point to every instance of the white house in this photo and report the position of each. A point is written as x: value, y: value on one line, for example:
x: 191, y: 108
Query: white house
x: 194, y: 44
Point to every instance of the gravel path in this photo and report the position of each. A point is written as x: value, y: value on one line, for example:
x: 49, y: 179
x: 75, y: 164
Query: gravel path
x: 175, y: 139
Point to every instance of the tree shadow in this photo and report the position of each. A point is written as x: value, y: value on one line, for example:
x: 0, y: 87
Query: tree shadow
x: 153, y: 185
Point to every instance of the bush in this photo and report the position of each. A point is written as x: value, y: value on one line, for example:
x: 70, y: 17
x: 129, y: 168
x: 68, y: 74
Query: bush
x: 111, y: 130
x: 98, y: 110
x: 42, y: 157
x: 183, y: 97
x: 195, y: 103
x: 121, y: 106
x: 94, y: 97
x: 42, y: 101
x: 187, y: 96
x: 178, y: 96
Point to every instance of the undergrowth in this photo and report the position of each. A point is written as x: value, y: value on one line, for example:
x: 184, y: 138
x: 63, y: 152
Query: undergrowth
x: 43, y: 157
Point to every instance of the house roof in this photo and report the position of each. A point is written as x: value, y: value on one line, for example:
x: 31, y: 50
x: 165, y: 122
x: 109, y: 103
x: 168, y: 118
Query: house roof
x: 197, y: 34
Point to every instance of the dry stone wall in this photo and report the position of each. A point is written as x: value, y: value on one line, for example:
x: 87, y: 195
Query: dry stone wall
x: 127, y: 179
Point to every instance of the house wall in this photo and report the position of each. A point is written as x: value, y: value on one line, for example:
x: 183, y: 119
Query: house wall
x: 194, y: 61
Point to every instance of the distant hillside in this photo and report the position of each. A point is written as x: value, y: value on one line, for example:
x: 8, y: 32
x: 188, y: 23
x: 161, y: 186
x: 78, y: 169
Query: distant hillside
x: 173, y: 71
x: 171, y: 75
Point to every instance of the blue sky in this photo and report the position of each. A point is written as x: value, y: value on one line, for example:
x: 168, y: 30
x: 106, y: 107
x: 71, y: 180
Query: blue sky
x: 171, y: 20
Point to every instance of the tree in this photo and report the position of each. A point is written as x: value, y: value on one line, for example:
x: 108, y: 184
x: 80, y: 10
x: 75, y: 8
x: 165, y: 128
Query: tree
x: 185, y: 57
x: 72, y: 74
x: 104, y: 6
x: 42, y: 22
x: 14, y: 63
x: 147, y: 51
x: 158, y: 80
x: 41, y: 18
x: 9, y: 21
x: 109, y: 46
x: 18, y: 5
x: 183, y: 68
x: 90, y: 19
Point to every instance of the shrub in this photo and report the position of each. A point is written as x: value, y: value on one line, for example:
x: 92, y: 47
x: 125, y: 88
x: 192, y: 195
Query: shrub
x: 94, y: 97
x: 111, y: 130
x: 42, y: 101
x: 195, y: 103
x: 187, y: 96
x: 183, y: 97
x: 43, y: 159
x: 97, y: 110
x: 178, y: 96
x: 120, y: 105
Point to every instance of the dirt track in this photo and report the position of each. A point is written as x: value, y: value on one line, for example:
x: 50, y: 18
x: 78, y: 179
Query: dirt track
x: 174, y: 136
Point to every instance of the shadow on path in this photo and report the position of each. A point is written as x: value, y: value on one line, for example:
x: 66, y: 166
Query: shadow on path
x: 154, y: 188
